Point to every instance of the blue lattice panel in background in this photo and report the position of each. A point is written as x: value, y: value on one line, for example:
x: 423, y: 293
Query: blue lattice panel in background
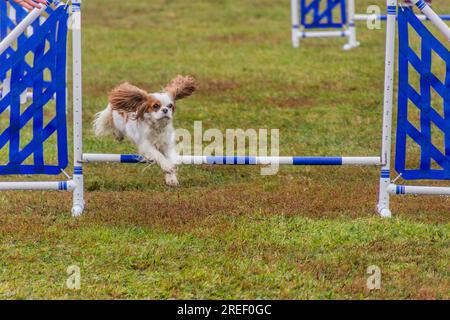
x: 11, y: 14
x: 434, y: 157
x: 37, y: 61
x: 323, y: 14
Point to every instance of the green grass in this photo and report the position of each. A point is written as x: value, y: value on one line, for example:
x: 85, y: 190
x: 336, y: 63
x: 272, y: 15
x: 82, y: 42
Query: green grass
x: 229, y: 232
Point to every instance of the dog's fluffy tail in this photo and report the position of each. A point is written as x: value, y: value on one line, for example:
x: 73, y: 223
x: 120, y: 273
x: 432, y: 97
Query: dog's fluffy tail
x: 103, y: 122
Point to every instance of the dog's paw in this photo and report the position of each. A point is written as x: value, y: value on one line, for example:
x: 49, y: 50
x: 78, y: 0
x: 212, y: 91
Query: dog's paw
x: 168, y: 168
x: 171, y: 180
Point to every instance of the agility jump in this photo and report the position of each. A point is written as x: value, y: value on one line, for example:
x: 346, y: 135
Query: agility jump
x: 33, y: 61
x: 333, y: 18
x: 323, y: 19
x: 15, y: 69
x: 383, y: 17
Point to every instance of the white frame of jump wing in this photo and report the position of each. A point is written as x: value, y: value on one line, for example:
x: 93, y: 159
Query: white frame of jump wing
x: 433, y: 17
x: 76, y: 184
x: 348, y: 31
x: 387, y: 187
x: 78, y: 193
x: 22, y: 27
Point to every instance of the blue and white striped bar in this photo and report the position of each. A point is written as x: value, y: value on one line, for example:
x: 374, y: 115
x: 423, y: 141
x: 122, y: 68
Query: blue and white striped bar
x: 418, y: 190
x: 21, y: 27
x: 433, y: 16
x: 323, y: 34
x: 236, y: 160
x: 38, y: 185
x: 373, y: 17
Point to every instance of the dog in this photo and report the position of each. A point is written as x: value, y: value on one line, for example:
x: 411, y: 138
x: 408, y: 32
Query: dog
x: 147, y: 120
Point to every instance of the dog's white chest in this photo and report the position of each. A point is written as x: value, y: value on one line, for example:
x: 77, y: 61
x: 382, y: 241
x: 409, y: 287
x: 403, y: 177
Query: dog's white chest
x: 160, y: 139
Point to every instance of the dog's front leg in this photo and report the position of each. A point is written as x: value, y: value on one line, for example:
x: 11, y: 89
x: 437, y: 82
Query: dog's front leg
x: 151, y: 153
x: 171, y: 179
x: 172, y: 156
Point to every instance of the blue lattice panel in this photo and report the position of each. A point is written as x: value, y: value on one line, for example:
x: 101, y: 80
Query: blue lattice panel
x: 323, y: 14
x: 424, y: 104
x: 11, y: 14
x: 36, y: 62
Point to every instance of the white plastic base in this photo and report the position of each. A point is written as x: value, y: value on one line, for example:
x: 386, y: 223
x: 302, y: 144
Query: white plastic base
x: 77, y: 211
x: 385, y: 213
x: 350, y: 46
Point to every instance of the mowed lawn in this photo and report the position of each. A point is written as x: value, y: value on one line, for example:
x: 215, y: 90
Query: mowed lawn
x: 228, y: 232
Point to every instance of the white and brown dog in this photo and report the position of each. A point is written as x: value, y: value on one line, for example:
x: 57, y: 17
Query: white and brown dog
x: 146, y: 119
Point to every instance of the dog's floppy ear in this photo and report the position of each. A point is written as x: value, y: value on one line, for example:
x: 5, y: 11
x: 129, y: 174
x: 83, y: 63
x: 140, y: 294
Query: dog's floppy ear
x: 181, y: 87
x: 129, y: 98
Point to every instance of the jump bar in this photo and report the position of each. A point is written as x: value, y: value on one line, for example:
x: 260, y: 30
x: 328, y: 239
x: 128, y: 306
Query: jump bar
x: 236, y: 160
x: 365, y: 17
x: 323, y: 34
x: 21, y: 27
x: 433, y: 16
x: 416, y: 190
x: 38, y: 185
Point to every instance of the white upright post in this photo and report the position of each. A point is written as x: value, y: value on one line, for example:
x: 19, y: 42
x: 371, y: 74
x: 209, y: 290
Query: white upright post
x: 295, y: 23
x: 352, y: 42
x: 383, y: 201
x: 78, y: 193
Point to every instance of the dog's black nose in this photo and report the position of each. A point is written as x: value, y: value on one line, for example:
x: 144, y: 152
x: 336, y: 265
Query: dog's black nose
x: 165, y: 110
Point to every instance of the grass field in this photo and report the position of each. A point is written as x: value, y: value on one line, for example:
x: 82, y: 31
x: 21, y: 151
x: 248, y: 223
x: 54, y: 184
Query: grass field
x: 229, y: 232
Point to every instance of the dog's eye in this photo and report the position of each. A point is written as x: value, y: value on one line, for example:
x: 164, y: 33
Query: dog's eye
x: 155, y: 106
x: 170, y: 106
